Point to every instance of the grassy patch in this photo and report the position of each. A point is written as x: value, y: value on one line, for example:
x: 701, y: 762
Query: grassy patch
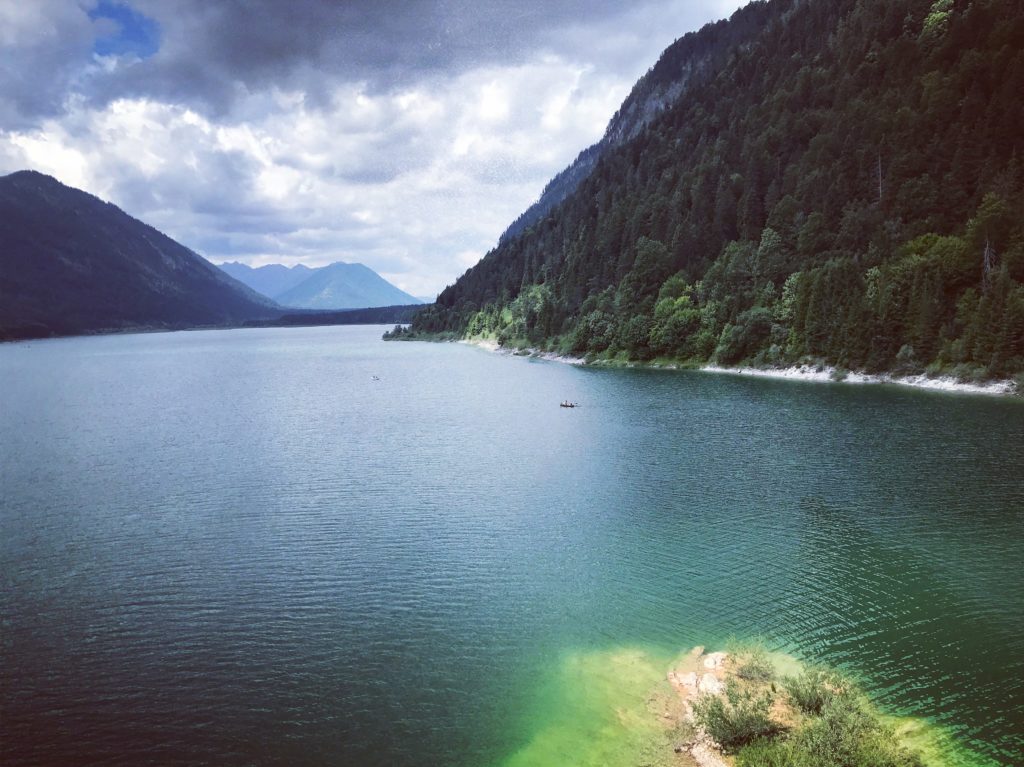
x: 751, y: 660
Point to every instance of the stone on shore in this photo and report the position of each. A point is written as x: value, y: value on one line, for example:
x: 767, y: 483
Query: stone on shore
x: 714, y: 660
x: 711, y: 685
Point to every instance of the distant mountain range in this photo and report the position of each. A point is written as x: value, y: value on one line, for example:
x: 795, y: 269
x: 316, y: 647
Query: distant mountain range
x: 271, y: 280
x: 72, y: 263
x: 336, y: 286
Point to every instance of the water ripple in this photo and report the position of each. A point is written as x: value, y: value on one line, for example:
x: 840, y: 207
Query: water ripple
x: 236, y: 547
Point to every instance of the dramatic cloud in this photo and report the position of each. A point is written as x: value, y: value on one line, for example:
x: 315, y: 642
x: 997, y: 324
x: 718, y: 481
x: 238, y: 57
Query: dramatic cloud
x: 403, y: 135
x: 44, y: 45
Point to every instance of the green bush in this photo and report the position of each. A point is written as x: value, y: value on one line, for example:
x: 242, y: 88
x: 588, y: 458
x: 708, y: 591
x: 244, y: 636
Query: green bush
x: 965, y: 371
x: 772, y: 753
x: 848, y: 733
x: 739, y: 719
x: 812, y: 689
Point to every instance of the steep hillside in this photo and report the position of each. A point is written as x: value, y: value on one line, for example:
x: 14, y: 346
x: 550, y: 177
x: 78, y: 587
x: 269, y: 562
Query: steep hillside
x: 71, y: 263
x: 344, y: 286
x: 693, y: 59
x: 845, y: 186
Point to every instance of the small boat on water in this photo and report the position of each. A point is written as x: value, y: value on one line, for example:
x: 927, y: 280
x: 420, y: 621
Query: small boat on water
x: 567, y: 403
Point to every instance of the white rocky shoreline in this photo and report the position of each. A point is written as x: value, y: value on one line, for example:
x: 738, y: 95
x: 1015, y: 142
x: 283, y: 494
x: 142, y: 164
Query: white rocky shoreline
x: 818, y: 374
x: 827, y: 374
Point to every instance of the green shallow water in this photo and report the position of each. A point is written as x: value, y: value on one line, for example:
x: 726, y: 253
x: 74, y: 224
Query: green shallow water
x: 592, y: 711
x: 236, y: 547
x: 612, y: 707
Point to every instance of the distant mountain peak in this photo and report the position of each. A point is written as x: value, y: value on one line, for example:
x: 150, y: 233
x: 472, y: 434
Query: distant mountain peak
x: 338, y: 285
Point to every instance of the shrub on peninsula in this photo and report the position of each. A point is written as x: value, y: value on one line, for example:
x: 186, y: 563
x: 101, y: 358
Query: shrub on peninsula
x: 812, y: 689
x: 840, y: 728
x: 741, y: 718
x: 850, y: 732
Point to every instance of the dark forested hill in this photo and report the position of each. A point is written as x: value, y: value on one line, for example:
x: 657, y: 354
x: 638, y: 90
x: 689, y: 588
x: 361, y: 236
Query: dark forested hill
x: 842, y: 181
x: 71, y: 263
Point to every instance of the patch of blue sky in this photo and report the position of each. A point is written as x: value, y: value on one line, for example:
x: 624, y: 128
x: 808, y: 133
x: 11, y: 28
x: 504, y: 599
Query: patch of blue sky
x: 132, y: 34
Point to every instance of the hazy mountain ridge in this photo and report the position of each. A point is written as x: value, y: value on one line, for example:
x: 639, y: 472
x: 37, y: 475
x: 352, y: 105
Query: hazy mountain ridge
x: 847, y: 186
x: 270, y: 280
x: 72, y: 263
x: 335, y: 286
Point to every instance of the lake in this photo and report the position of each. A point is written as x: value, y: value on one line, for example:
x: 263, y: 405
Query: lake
x: 307, y: 546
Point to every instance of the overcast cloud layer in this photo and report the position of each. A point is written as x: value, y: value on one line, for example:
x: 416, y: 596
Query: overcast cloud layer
x: 403, y: 135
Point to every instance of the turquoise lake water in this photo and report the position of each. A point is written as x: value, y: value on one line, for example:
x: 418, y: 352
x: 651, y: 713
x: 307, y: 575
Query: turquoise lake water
x: 237, y: 547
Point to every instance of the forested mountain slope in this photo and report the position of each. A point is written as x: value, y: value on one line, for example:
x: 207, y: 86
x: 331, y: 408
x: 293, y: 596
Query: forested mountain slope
x: 846, y: 186
x: 693, y: 59
x: 71, y: 263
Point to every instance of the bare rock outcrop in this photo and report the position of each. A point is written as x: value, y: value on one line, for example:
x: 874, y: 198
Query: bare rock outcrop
x: 686, y: 679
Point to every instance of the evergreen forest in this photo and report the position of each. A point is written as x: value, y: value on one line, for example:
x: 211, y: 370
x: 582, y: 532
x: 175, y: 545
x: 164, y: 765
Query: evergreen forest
x: 841, y: 182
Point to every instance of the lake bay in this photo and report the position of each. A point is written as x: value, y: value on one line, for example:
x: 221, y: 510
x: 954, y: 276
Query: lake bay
x: 307, y: 546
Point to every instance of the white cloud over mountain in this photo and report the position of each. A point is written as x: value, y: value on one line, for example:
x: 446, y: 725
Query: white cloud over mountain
x: 405, y: 136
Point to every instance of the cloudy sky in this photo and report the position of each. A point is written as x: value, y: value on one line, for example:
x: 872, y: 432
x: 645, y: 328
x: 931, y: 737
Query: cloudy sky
x: 405, y: 135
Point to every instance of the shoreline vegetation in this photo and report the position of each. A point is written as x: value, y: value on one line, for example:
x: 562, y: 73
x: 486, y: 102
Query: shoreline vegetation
x: 746, y: 707
x: 811, y: 370
x: 740, y: 707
